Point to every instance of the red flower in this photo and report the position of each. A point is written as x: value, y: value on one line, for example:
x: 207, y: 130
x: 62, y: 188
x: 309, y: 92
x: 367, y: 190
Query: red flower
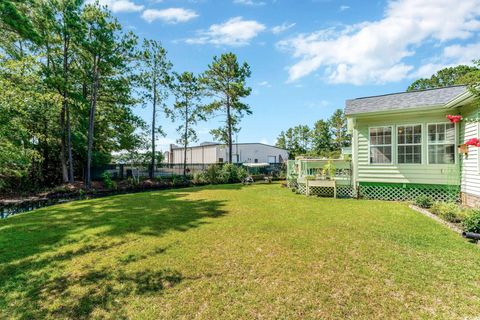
x: 473, y: 142
x: 454, y: 119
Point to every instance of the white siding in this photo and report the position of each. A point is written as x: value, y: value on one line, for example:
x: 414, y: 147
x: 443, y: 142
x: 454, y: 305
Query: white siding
x: 470, y: 164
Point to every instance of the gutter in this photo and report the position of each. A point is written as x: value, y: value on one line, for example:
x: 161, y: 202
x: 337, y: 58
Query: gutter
x: 467, y: 95
x: 401, y: 111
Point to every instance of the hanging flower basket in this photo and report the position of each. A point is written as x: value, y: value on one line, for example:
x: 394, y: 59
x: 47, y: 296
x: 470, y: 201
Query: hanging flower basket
x: 454, y: 118
x: 474, y: 142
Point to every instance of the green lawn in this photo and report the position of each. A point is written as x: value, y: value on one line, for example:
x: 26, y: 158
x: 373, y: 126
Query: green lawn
x: 230, y: 252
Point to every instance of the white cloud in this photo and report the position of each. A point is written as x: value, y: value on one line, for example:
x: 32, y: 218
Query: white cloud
x: 234, y: 32
x: 376, y: 51
x: 463, y: 54
x: 318, y: 104
x: 170, y: 15
x: 265, y: 84
x: 119, y: 5
x: 282, y: 28
x: 344, y: 7
x: 250, y: 2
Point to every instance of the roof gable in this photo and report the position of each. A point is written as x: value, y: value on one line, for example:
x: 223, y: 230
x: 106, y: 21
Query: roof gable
x: 404, y: 100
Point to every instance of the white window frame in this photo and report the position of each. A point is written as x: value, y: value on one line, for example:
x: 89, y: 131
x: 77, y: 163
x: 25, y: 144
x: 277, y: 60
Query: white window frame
x: 393, y: 137
x: 410, y: 144
x: 454, y: 144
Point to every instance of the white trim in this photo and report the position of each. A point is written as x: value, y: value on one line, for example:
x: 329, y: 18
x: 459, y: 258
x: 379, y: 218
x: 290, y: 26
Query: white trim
x: 410, y: 144
x: 455, y: 142
x: 393, y: 137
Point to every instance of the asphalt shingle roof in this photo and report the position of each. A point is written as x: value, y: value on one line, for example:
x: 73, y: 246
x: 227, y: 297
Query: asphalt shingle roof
x: 403, y: 100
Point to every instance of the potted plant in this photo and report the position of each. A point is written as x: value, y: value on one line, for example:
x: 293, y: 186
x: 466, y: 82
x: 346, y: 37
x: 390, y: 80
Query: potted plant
x: 329, y: 170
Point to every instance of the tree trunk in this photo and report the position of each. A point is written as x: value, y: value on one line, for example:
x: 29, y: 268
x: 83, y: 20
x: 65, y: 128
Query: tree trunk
x: 185, y: 141
x: 91, y: 121
x: 63, y: 144
x: 229, y: 129
x: 66, y: 42
x: 71, y: 177
x: 154, y: 115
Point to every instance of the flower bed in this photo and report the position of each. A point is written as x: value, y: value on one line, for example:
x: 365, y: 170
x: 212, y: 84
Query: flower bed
x: 456, y: 217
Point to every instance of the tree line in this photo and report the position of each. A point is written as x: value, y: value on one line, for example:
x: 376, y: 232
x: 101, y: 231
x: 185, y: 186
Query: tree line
x: 450, y: 76
x: 71, y: 75
x: 325, y: 139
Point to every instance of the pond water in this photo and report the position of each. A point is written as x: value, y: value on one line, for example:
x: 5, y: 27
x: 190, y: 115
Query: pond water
x: 13, y: 208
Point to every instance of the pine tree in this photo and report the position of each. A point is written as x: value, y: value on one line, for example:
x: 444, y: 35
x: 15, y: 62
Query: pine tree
x: 225, y: 81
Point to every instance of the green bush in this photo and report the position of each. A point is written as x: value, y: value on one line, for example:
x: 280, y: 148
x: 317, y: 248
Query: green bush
x: 180, y: 180
x: 213, y: 174
x: 241, y: 174
x: 424, y: 201
x: 447, y: 210
x: 229, y: 173
x: 108, y: 183
x: 471, y: 223
x: 198, y: 178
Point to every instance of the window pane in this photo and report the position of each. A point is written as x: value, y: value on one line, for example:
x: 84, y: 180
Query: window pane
x: 380, y: 136
x: 431, y: 132
x: 441, y: 133
x: 417, y: 158
x: 450, y: 132
x: 441, y: 154
x: 388, y: 136
x: 381, y: 154
x: 409, y: 139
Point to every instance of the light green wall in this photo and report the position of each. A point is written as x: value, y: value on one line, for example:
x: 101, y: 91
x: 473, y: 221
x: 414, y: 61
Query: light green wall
x: 400, y: 173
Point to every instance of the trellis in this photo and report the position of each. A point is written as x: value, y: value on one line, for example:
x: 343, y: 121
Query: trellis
x: 342, y: 191
x: 408, y: 192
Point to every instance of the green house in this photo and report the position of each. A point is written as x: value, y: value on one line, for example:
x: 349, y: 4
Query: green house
x: 403, y: 145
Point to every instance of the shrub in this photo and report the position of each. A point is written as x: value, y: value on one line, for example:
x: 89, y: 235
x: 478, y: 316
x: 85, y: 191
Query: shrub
x: 198, y: 178
x: 180, y: 180
x: 472, y: 222
x: 424, y: 201
x: 213, y: 174
x: 230, y: 173
x: 241, y: 174
x: 448, y: 211
x: 107, y: 181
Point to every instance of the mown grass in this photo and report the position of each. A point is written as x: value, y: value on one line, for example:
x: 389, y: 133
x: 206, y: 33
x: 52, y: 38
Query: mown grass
x: 233, y: 252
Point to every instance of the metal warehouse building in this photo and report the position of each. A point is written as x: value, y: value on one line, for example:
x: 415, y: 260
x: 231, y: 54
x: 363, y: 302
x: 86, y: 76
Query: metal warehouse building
x: 208, y: 153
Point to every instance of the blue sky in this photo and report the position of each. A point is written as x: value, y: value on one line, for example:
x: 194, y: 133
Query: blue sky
x: 307, y: 56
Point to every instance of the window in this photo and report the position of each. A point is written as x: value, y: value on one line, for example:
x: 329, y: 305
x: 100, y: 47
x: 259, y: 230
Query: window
x: 256, y: 160
x: 409, y: 144
x: 220, y: 160
x: 441, y: 143
x: 381, y: 145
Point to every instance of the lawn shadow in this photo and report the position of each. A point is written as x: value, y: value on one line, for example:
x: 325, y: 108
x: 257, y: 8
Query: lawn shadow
x: 35, y: 247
